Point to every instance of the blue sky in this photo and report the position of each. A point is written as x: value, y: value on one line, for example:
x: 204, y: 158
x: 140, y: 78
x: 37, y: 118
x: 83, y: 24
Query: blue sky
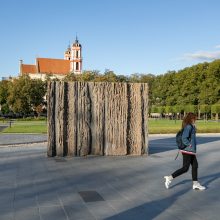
x: 126, y: 36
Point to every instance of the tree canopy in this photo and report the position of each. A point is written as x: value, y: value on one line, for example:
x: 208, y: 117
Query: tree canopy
x: 196, y: 85
x: 174, y: 91
x: 22, y: 95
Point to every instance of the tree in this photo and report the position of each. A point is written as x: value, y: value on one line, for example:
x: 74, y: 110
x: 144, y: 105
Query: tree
x: 135, y: 78
x: 178, y: 109
x: 215, y: 109
x: 154, y: 109
x: 5, y: 108
x: 110, y: 76
x: 4, y: 85
x: 70, y: 77
x: 39, y: 109
x: 26, y: 94
x: 192, y: 86
x: 86, y: 76
x: 190, y: 108
x: 205, y: 109
x: 4, y: 91
x: 122, y: 78
x: 160, y: 109
x: 37, y: 93
x: 168, y: 109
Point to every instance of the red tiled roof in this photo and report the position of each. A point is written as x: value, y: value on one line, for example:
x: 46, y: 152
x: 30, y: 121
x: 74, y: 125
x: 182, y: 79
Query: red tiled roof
x: 53, y: 66
x: 25, y: 69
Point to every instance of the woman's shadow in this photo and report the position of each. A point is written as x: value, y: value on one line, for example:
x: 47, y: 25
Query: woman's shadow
x: 205, y: 180
x: 152, y: 209
x: 148, y: 210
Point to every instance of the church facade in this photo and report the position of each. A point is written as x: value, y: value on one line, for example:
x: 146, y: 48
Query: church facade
x: 55, y: 68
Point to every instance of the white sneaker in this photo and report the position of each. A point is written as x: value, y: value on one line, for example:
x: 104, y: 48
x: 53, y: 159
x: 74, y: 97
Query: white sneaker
x: 167, y: 181
x: 198, y: 186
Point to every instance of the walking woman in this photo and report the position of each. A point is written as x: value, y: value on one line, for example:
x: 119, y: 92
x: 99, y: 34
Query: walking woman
x: 189, y: 153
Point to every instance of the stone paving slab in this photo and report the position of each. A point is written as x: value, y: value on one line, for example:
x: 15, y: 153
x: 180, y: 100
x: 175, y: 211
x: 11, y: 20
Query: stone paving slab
x: 33, y: 186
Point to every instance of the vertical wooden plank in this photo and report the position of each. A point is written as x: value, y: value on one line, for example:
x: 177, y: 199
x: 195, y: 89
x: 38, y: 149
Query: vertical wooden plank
x: 51, y: 96
x: 134, y: 139
x: 84, y: 119
x: 59, y: 115
x: 116, y: 108
x: 97, y: 125
x: 65, y: 117
x: 144, y: 96
x: 72, y: 119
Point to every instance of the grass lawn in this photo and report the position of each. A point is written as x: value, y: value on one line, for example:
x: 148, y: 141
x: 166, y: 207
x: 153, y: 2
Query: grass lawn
x: 27, y: 127
x: 163, y: 126
x: 156, y: 126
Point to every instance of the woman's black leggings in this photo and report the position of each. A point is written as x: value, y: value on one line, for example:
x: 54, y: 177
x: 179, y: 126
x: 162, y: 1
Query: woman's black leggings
x: 187, y: 160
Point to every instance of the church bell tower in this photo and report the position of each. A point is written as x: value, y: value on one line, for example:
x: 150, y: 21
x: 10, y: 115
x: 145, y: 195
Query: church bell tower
x: 76, y: 57
x: 67, y: 54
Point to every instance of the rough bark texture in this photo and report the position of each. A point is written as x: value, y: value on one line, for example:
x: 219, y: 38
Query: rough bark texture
x: 51, y: 147
x: 97, y: 118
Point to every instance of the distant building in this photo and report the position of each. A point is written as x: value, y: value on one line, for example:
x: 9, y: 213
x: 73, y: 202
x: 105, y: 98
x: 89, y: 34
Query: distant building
x: 55, y: 68
x: 6, y: 78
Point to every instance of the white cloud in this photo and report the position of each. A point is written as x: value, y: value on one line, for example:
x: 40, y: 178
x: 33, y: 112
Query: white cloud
x: 203, y: 55
x: 217, y: 46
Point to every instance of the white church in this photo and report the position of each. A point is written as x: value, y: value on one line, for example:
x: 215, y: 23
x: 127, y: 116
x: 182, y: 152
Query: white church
x: 55, y: 68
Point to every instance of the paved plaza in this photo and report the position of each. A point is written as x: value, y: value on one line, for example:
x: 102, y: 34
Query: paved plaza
x: 19, y: 139
x: 33, y: 186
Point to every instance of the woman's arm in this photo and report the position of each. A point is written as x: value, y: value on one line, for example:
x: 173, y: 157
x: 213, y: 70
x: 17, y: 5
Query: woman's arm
x: 186, y: 134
